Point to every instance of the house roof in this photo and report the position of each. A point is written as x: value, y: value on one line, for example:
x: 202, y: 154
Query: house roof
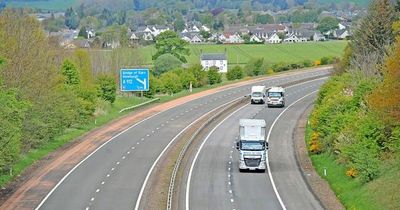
x: 213, y: 56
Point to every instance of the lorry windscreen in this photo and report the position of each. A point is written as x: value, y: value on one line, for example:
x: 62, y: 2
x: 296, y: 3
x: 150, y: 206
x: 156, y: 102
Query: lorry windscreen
x: 252, y: 145
x: 257, y: 94
x: 274, y: 94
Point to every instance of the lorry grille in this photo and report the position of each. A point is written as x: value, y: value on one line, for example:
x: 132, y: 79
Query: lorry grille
x: 252, y: 162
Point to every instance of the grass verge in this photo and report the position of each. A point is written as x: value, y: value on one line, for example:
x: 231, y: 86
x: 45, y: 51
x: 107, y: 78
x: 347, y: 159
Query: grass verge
x: 351, y: 192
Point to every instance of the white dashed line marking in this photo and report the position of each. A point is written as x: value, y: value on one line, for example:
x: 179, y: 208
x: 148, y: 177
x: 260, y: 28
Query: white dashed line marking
x: 98, y: 190
x: 142, y: 139
x: 129, y: 152
x: 123, y: 157
x: 112, y: 169
x: 132, y: 147
x: 92, y: 199
x: 102, y: 183
x: 108, y: 175
x: 118, y: 163
x: 137, y: 143
x: 148, y: 135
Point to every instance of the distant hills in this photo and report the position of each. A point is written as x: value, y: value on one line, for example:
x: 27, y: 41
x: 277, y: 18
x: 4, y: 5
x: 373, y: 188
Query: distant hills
x: 179, y: 4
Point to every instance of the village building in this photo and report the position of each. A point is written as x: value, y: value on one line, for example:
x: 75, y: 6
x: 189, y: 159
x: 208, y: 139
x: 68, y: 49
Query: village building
x: 218, y: 60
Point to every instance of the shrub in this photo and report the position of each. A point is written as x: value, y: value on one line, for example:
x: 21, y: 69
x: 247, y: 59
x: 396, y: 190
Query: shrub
x: 255, y: 67
x: 235, y: 73
x: 187, y: 77
x: 200, y: 75
x: 307, y: 63
x: 317, y: 63
x: 278, y: 67
x: 107, y: 88
x: 214, y: 76
x: 155, y: 87
x: 166, y: 63
x: 170, y: 82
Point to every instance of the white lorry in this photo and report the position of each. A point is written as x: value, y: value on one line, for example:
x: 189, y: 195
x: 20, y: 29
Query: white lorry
x: 252, y: 145
x: 258, y: 94
x: 276, y: 96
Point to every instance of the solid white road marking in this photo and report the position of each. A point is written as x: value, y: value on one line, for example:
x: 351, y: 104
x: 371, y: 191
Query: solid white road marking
x: 268, y: 136
x: 138, y: 200
x: 198, y: 152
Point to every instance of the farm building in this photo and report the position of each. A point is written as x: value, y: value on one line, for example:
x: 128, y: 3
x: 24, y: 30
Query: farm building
x: 218, y: 60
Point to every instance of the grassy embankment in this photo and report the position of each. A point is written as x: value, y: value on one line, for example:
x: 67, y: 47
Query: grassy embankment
x: 241, y: 54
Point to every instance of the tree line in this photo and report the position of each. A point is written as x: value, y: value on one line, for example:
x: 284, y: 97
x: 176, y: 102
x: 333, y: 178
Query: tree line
x: 357, y: 115
x: 44, y: 90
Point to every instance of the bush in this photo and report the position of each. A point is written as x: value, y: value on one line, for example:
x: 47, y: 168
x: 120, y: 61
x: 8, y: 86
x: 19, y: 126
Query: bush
x: 171, y: 83
x: 278, y: 67
x: 166, y: 63
x: 155, y: 86
x: 327, y: 60
x: 107, y: 88
x: 200, y: 75
x: 307, y: 63
x: 214, y: 76
x: 235, y: 73
x: 255, y: 67
x: 187, y: 77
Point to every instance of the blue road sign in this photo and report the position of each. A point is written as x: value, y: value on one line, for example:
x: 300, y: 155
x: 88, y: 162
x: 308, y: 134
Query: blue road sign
x: 134, y: 79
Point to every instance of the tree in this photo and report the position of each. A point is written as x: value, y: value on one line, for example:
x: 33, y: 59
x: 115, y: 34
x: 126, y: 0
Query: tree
x: 264, y: 19
x: 235, y: 73
x: 214, y: 76
x: 171, y: 82
x: 71, y: 19
x: 327, y: 24
x: 371, y: 38
x: 165, y: 63
x: 107, y: 88
x: 179, y: 23
x: 205, y: 34
x: 83, y: 32
x: 170, y: 42
x: 70, y: 73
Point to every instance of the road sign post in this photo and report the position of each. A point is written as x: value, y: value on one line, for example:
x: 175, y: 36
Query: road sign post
x: 134, y: 80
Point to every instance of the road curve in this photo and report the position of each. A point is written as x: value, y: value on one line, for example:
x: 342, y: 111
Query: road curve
x: 216, y: 182
x: 111, y: 178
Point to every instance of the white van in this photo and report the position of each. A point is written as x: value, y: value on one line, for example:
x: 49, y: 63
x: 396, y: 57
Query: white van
x: 258, y: 94
x: 276, y: 96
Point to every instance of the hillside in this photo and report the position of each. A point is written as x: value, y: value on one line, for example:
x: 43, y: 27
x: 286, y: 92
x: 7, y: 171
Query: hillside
x: 196, y: 4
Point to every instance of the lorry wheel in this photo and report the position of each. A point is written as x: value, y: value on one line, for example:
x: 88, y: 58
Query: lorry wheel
x: 241, y: 170
x: 262, y: 171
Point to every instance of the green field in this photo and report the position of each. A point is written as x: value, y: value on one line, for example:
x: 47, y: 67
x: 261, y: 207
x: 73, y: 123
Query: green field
x: 241, y: 54
x: 58, y: 5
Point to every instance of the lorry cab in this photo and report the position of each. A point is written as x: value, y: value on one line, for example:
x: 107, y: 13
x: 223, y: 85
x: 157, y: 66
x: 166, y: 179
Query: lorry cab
x: 276, y: 96
x: 258, y: 94
x: 252, y: 146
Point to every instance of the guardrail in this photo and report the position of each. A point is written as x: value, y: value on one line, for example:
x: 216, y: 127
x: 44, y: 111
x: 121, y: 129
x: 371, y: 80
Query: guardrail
x: 139, y: 105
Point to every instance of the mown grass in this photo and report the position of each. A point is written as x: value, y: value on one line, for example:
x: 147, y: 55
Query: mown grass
x: 242, y: 54
x: 53, y: 5
x: 351, y: 192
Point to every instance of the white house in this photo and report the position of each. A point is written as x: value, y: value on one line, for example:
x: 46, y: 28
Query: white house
x: 317, y: 37
x: 274, y: 39
x: 192, y: 37
x: 291, y: 38
x: 218, y: 60
x: 233, y: 39
x: 255, y: 38
x: 341, y: 34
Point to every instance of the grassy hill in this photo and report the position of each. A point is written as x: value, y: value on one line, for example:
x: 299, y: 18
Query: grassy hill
x: 241, y: 54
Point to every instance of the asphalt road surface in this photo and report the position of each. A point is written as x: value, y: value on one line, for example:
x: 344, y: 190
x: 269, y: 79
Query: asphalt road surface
x: 112, y: 178
x: 216, y: 182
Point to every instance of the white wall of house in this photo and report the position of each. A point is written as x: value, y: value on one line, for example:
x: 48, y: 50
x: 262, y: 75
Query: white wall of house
x: 274, y: 39
x: 222, y: 65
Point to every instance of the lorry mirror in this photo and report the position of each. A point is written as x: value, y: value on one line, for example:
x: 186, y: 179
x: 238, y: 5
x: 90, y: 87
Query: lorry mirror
x: 237, y: 145
x: 266, y: 145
